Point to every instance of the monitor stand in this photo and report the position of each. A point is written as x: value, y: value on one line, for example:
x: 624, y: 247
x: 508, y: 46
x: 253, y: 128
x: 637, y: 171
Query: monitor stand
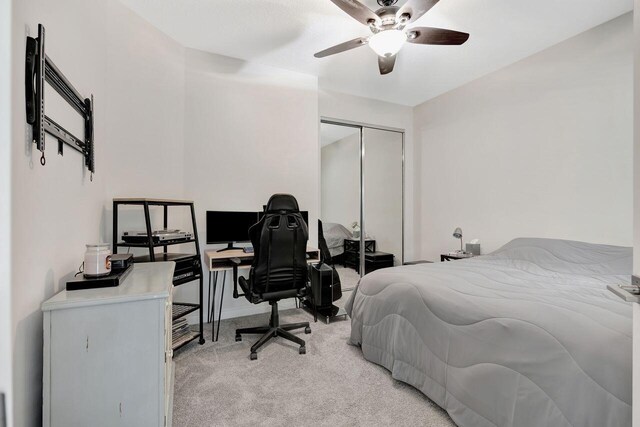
x: 229, y: 247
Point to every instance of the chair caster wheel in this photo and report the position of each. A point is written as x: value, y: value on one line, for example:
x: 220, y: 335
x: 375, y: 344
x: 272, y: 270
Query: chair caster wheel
x: 253, y: 356
x: 307, y: 330
x: 302, y: 350
x: 238, y: 338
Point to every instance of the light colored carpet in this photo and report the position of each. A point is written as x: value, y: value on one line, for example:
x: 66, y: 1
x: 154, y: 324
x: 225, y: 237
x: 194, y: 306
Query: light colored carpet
x: 217, y: 385
x: 349, y: 279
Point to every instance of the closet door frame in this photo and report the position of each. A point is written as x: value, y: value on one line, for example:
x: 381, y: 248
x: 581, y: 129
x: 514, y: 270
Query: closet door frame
x: 361, y: 126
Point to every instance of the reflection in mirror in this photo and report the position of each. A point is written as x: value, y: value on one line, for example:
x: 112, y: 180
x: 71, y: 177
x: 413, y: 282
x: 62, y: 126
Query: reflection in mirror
x: 362, y: 197
x: 340, y: 191
x: 383, y: 195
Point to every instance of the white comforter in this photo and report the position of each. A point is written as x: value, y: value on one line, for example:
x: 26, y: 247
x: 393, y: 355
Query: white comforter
x: 526, y: 336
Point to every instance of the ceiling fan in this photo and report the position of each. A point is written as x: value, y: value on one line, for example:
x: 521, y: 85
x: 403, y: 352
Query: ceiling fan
x: 389, y: 33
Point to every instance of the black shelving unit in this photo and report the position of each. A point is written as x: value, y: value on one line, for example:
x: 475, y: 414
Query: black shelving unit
x: 193, y: 260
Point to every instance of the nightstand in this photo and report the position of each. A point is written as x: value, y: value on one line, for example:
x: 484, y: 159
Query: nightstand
x: 452, y: 257
x: 352, y: 251
x: 375, y: 261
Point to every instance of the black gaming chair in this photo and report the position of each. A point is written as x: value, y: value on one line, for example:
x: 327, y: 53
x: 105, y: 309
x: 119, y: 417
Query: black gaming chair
x: 279, y: 268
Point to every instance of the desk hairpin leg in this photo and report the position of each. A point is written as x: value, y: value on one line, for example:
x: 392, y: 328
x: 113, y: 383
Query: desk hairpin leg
x: 212, y: 298
x: 213, y: 303
x: 215, y: 331
x: 212, y: 308
x: 209, y: 301
x: 224, y: 279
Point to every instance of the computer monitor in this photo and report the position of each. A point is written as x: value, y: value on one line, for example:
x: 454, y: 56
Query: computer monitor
x: 229, y: 227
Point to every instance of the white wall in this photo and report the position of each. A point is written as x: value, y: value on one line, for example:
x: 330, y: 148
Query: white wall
x: 540, y: 148
x: 340, y: 176
x: 250, y: 131
x: 134, y: 72
x: 5, y: 204
x: 145, y: 79
x: 368, y: 111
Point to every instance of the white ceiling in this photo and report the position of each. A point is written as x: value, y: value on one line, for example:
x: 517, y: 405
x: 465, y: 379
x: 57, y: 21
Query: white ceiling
x: 286, y: 34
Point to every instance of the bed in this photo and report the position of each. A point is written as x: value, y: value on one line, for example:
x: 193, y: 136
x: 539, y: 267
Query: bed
x: 335, y: 234
x: 525, y: 336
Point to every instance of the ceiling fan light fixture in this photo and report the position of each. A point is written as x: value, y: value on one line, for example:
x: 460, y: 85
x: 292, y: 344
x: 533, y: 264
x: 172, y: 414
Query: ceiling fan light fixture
x: 388, y: 29
x: 387, y: 42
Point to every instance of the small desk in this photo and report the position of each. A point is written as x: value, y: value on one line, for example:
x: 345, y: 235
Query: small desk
x: 219, y: 262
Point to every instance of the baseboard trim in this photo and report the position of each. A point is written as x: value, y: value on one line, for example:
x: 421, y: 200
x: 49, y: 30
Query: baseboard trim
x: 245, y: 310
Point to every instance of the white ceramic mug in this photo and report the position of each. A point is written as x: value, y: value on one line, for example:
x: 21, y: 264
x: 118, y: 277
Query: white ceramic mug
x: 97, y: 260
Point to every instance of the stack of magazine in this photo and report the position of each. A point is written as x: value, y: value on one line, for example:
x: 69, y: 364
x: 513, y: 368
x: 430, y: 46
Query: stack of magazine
x: 180, y: 332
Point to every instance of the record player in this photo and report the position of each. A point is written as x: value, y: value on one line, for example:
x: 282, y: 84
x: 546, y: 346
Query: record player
x: 158, y: 236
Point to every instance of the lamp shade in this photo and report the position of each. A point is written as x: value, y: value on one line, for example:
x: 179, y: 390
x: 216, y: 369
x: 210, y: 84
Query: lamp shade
x: 388, y: 42
x: 457, y: 233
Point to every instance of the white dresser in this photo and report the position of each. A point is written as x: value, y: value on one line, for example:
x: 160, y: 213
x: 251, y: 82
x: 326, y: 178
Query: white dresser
x: 107, y: 353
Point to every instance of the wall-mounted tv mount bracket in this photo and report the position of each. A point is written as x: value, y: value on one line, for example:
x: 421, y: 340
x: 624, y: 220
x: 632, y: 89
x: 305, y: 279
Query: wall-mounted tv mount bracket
x: 38, y: 69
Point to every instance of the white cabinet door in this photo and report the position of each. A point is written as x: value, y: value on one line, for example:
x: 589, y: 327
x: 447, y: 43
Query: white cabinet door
x: 105, y: 364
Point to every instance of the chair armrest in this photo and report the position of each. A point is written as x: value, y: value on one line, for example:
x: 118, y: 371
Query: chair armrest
x: 236, y: 263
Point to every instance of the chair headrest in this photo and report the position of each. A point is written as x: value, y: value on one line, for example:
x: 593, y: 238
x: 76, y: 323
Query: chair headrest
x: 282, y: 202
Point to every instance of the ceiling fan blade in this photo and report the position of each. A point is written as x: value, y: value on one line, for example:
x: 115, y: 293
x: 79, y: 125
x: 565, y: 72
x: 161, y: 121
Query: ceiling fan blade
x: 415, y: 9
x: 357, y: 10
x: 386, y: 64
x: 351, y: 44
x: 427, y: 35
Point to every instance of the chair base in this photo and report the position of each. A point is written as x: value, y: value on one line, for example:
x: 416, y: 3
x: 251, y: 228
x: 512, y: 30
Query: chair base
x: 274, y: 329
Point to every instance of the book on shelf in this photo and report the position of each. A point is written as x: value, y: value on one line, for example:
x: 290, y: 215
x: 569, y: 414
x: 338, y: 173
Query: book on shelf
x: 178, y: 323
x: 179, y: 330
x: 182, y: 339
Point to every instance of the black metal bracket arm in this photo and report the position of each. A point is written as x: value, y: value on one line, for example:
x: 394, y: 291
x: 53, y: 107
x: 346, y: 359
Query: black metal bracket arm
x: 38, y: 69
x: 236, y: 263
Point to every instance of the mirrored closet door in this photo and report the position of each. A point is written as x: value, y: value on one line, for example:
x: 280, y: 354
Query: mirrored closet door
x: 382, y: 171
x: 362, y: 195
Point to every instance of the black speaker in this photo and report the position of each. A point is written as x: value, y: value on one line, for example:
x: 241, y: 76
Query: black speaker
x: 322, y: 285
